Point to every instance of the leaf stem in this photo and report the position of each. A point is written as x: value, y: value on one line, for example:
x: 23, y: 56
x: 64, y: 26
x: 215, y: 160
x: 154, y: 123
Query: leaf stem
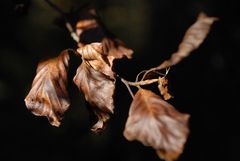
x: 155, y: 70
x: 142, y: 82
x: 137, y: 77
x: 128, y: 87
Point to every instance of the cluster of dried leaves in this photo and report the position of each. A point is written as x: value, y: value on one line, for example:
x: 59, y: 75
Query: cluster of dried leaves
x: 151, y: 120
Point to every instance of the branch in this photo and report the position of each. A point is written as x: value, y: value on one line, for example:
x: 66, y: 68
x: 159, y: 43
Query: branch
x: 73, y: 34
x: 56, y: 8
x: 67, y: 23
x: 126, y: 83
x: 140, y: 83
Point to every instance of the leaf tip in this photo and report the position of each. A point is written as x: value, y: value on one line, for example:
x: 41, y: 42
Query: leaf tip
x: 203, y: 16
x: 55, y: 123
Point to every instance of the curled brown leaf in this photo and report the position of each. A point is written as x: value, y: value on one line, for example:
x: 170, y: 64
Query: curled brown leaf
x: 48, y: 95
x: 163, y: 88
x: 91, y: 51
x: 98, y: 90
x: 156, y: 123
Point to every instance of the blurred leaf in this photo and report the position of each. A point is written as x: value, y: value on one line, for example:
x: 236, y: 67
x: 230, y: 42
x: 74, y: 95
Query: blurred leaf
x: 192, y: 39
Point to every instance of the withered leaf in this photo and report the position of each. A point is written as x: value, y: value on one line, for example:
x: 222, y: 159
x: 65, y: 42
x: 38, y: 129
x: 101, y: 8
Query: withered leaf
x: 91, y: 51
x: 48, y: 95
x: 96, y: 80
x: 156, y: 123
x: 93, y: 54
x: 163, y: 88
x: 98, y: 90
x: 90, y: 29
x: 191, y: 40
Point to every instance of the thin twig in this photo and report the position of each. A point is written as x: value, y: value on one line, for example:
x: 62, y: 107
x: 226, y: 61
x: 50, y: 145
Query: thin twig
x: 167, y: 71
x: 127, y: 85
x: 147, y: 72
x: 159, y: 73
x: 142, y: 83
x: 55, y: 7
x: 155, y: 70
x: 137, y: 77
x: 73, y: 34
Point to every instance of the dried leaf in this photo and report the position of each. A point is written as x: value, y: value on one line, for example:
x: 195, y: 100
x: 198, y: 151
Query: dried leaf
x: 96, y: 80
x: 91, y: 51
x: 91, y: 29
x: 191, y: 41
x: 48, y: 95
x: 93, y: 54
x: 155, y: 123
x: 98, y: 90
x: 163, y: 88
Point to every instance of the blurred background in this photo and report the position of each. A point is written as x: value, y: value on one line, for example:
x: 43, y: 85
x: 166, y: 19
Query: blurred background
x: 205, y: 85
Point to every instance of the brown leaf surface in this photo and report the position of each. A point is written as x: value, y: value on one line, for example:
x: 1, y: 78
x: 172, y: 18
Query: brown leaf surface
x: 98, y: 90
x: 156, y: 123
x: 191, y: 40
x: 48, y: 95
x: 91, y: 51
x: 91, y: 29
x: 93, y: 54
x: 163, y: 88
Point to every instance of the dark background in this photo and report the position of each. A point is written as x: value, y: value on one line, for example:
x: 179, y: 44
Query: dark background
x: 205, y: 85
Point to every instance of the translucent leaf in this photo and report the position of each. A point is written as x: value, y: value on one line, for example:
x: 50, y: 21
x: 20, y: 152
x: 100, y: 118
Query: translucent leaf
x: 48, y: 95
x: 156, y: 123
